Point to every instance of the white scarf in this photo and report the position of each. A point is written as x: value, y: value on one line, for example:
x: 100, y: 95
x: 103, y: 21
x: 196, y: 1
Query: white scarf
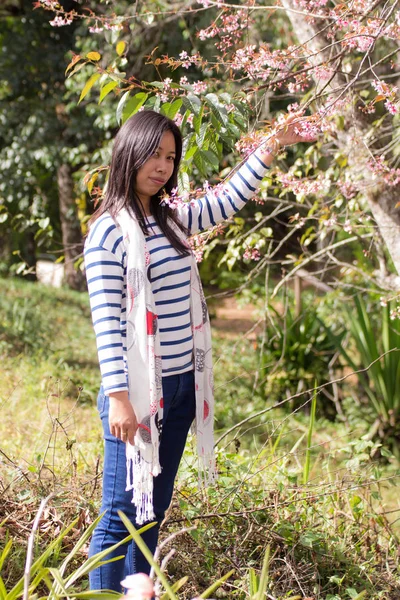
x: 145, y: 370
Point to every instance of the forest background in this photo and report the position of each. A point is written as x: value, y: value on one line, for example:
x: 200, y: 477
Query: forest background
x: 308, y: 394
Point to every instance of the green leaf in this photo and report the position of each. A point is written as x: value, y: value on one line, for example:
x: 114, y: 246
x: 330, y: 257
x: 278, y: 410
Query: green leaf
x: 217, y: 108
x: 307, y: 464
x: 106, y: 89
x: 200, y: 163
x: 210, y: 158
x: 5, y: 552
x: 133, y: 104
x: 192, y: 103
x: 202, y: 134
x: 197, y: 119
x: 88, y: 86
x: 147, y: 553
x: 177, y: 586
x: 121, y: 105
x: 262, y: 590
x: 174, y: 108
x: 183, y: 182
x: 253, y: 582
x: 234, y: 130
x: 216, y: 585
x: 190, y: 152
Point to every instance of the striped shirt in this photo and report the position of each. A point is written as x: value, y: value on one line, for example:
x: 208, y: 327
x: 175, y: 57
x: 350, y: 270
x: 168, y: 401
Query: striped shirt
x: 169, y: 274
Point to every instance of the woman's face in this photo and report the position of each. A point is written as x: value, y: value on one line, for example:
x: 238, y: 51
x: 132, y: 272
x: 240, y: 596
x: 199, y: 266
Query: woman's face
x: 157, y: 170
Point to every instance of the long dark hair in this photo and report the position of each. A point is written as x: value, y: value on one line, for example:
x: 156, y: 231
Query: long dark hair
x: 134, y: 144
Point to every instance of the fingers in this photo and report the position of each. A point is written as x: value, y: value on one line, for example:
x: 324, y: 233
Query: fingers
x: 125, y: 432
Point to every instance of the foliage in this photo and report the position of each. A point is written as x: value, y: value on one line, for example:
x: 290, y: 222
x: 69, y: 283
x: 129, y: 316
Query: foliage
x: 372, y: 349
x: 296, y: 351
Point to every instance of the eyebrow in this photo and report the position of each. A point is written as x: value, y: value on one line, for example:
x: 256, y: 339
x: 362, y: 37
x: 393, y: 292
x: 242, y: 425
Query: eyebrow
x: 170, y: 152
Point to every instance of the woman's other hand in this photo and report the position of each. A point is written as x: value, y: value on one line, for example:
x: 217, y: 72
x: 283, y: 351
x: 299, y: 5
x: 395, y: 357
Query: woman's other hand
x: 122, y: 418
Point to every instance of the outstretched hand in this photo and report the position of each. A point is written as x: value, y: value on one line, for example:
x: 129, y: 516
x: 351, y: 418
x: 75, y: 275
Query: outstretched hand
x: 295, y: 129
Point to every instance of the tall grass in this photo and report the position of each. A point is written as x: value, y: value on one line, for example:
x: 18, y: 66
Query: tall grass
x: 373, y: 350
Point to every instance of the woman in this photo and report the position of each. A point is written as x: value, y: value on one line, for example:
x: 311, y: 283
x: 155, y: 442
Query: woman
x: 152, y: 327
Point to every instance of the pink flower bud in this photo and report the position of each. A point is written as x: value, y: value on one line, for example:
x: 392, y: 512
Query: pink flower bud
x: 138, y: 586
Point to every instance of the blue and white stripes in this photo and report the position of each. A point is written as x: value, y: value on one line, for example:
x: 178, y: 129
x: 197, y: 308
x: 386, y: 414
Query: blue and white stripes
x: 169, y: 273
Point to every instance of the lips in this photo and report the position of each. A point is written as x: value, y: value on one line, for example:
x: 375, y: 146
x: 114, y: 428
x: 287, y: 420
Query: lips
x: 158, y: 181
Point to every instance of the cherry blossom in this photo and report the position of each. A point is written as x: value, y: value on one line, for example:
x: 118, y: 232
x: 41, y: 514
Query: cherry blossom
x: 347, y: 189
x: 197, y: 244
x: 347, y: 226
x: 391, y: 107
x: 178, y: 119
x: 96, y: 28
x: 53, y: 4
x: 199, y: 87
x: 252, y: 254
x: 60, y: 21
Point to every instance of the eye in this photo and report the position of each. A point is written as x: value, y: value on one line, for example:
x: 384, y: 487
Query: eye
x: 156, y: 154
x: 172, y: 158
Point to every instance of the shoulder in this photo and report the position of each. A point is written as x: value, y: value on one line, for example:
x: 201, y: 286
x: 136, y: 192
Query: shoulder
x: 105, y: 234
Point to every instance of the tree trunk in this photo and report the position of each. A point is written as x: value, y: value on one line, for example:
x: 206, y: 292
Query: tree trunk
x: 28, y: 254
x: 70, y: 228
x: 382, y: 198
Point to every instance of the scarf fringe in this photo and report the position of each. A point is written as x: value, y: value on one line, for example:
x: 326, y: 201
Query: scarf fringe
x: 139, y: 479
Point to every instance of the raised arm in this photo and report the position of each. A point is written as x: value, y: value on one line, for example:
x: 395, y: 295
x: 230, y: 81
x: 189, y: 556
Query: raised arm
x: 222, y: 202
x: 225, y: 200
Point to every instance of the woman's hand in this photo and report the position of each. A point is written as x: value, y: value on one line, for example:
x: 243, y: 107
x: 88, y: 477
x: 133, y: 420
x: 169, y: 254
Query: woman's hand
x: 122, y: 418
x: 293, y: 130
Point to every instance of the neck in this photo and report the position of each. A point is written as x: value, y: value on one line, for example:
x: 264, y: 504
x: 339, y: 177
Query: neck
x: 145, y: 205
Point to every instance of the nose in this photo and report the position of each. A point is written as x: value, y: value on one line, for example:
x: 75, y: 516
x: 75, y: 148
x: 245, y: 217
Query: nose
x: 162, y: 166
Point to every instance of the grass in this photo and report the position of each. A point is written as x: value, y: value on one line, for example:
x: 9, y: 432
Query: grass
x: 311, y: 491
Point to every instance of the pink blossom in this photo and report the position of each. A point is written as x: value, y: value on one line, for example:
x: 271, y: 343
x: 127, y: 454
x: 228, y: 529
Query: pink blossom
x: 391, y: 107
x: 50, y: 3
x: 60, y: 22
x: 199, y: 87
x: 252, y: 254
x: 113, y: 26
x: 304, y: 187
x: 248, y: 144
x: 347, y: 189
x: 331, y: 222
x: 178, y: 119
x: 322, y: 72
x: 311, y: 5
x: 96, y: 28
x: 183, y: 80
x: 384, y: 89
x: 175, y: 200
x: 197, y: 244
x: 184, y: 57
x: 347, y: 226
x: 395, y: 313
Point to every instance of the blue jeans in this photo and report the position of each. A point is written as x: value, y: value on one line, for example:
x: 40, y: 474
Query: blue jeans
x: 179, y: 412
